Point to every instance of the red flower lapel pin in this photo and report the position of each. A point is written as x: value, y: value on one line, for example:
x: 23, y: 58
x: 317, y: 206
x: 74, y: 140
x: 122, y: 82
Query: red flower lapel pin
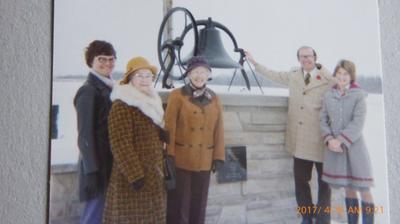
x: 318, y: 77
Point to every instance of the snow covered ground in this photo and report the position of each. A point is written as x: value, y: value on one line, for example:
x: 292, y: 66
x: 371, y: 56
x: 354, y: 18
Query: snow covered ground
x: 64, y: 149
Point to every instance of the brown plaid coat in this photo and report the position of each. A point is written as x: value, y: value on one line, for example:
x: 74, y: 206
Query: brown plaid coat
x: 136, y: 148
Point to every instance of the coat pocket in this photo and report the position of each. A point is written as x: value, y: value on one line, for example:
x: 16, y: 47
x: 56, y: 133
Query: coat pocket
x: 182, y: 146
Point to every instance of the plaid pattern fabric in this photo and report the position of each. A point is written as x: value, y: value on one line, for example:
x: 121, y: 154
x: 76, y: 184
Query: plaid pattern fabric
x: 136, y: 149
x: 303, y: 135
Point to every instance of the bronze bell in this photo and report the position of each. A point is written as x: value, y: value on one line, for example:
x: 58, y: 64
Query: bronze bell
x: 211, y: 48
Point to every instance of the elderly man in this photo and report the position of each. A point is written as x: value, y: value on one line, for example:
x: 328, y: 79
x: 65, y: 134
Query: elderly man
x: 307, y: 85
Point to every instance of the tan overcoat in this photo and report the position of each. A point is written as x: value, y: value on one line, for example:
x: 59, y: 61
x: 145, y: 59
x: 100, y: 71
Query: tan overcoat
x: 134, y: 124
x: 196, y: 132
x: 303, y: 136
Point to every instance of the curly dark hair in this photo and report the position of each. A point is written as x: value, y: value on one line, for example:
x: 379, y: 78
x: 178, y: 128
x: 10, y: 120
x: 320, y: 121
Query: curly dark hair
x: 98, y: 47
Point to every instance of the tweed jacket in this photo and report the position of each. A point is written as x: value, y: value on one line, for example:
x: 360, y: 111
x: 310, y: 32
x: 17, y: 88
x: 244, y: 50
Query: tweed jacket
x: 302, y: 139
x: 92, y: 103
x: 343, y: 118
x: 196, y: 131
x: 134, y: 123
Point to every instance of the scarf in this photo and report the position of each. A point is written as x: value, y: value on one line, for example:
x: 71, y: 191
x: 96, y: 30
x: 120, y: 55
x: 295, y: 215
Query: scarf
x: 108, y: 81
x: 199, y: 92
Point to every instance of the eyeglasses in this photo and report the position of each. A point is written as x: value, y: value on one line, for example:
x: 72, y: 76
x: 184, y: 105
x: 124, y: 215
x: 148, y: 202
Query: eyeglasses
x: 144, y: 76
x: 200, y: 72
x: 306, y: 56
x: 104, y: 60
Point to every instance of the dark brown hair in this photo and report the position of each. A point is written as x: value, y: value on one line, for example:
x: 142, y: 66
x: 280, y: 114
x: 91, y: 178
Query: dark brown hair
x: 98, y: 47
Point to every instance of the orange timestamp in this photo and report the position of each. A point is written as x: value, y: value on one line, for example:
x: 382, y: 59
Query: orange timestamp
x: 308, y: 210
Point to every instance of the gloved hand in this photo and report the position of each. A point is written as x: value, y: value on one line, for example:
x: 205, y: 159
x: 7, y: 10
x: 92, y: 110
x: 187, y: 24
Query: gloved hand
x: 91, y: 186
x: 164, y: 136
x: 138, y: 184
x: 170, y: 172
x: 217, y: 165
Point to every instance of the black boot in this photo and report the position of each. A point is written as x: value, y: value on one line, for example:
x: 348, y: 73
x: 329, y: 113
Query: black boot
x: 306, y: 220
x: 352, y: 210
x: 367, y: 212
x: 322, y: 215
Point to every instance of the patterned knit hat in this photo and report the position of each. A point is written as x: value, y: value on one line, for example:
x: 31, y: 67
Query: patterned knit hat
x: 195, y: 62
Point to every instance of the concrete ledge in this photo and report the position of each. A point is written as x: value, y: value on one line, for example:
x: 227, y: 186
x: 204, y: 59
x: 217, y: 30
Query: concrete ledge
x: 63, y: 168
x: 245, y: 100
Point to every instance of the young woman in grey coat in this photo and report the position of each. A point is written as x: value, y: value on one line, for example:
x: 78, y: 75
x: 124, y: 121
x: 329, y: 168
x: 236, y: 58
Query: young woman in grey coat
x: 346, y: 160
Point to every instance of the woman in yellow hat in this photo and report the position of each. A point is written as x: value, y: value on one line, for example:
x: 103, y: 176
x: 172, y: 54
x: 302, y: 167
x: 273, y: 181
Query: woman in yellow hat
x: 136, y: 192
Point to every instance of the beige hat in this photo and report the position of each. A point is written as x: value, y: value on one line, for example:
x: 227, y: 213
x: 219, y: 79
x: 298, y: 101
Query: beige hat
x: 135, y: 64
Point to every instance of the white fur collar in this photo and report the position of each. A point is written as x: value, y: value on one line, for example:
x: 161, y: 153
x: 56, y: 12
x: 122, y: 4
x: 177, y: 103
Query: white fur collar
x: 151, y: 106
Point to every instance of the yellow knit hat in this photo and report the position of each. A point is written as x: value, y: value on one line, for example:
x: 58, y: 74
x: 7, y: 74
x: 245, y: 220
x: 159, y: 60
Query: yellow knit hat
x: 135, y: 64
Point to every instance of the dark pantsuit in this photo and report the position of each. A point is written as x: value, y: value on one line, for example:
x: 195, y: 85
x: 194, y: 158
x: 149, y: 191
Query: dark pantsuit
x: 187, y: 202
x: 93, y: 211
x: 302, y: 176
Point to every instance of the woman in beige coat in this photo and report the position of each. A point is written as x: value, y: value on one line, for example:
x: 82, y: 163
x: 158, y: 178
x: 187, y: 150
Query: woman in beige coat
x: 136, y: 192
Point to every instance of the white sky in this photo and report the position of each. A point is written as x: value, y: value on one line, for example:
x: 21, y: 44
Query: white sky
x: 271, y: 29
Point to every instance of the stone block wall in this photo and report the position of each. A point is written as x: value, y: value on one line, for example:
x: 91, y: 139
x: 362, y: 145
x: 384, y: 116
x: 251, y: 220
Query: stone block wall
x: 259, y: 123
x: 267, y: 196
x: 64, y: 207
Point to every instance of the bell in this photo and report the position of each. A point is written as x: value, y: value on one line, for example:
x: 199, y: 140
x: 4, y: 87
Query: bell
x: 211, y: 48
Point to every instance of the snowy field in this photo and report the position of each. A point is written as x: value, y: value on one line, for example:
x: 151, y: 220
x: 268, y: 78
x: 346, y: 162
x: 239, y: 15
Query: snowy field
x: 64, y: 148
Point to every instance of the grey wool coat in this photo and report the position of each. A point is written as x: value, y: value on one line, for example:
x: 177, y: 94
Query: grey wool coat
x: 303, y: 139
x: 343, y: 118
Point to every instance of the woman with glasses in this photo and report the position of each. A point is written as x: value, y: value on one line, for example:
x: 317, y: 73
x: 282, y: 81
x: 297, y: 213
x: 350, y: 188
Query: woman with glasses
x: 195, y: 124
x: 92, y: 103
x: 136, y: 192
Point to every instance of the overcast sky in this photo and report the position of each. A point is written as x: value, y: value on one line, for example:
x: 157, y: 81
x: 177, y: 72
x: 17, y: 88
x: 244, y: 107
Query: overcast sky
x: 271, y: 29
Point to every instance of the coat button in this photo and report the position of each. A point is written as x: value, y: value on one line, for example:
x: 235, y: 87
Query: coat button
x: 200, y: 145
x: 300, y: 123
x: 201, y: 128
x: 195, y: 112
x: 190, y: 145
x: 192, y: 129
x: 304, y: 93
x: 301, y: 107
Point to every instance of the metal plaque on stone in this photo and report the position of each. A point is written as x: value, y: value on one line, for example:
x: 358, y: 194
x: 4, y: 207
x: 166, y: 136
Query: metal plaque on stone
x: 235, y: 166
